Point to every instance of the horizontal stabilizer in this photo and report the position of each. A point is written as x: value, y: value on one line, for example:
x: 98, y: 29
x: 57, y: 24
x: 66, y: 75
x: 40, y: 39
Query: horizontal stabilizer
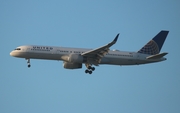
x: 157, y: 56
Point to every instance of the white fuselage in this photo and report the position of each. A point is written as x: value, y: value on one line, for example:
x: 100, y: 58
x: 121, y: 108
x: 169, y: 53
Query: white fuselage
x: 114, y: 57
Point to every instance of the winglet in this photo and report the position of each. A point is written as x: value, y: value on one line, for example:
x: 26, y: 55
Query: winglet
x: 115, y: 39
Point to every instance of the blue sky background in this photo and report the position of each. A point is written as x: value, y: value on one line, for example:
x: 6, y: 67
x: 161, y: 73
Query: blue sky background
x: 48, y: 88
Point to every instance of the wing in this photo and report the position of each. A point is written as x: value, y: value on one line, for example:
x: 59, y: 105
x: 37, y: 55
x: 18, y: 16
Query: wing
x: 94, y: 56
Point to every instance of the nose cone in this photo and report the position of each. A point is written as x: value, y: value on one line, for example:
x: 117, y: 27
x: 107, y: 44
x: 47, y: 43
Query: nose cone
x: 11, y: 53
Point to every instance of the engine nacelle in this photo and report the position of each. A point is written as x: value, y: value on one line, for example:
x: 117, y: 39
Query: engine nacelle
x: 75, y: 58
x: 69, y: 65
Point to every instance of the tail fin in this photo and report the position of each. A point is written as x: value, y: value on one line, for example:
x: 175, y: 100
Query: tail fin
x: 154, y: 46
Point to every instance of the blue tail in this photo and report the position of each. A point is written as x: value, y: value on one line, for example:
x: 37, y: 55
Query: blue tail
x: 154, y: 46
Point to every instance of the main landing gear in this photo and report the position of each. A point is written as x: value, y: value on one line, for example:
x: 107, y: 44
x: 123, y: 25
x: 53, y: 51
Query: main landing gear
x: 28, y: 62
x: 89, y: 69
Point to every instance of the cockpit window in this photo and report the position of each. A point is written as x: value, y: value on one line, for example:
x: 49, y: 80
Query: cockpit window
x: 18, y: 49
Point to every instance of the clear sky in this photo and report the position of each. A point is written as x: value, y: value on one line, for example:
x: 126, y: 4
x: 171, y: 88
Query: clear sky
x: 47, y: 87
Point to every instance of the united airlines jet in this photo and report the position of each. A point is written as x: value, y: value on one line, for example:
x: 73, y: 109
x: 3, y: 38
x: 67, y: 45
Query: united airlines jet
x: 74, y: 58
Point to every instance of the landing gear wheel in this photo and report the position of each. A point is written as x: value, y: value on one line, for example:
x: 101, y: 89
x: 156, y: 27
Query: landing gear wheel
x: 90, y: 72
x: 89, y: 67
x: 29, y: 66
x: 93, y: 68
x: 87, y: 71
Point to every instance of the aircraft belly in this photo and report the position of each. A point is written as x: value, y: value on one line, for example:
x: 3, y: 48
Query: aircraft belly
x: 118, y: 61
x: 105, y: 61
x: 136, y: 60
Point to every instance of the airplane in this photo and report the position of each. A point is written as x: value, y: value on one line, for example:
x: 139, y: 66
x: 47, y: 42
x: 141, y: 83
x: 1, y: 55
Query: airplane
x: 74, y: 58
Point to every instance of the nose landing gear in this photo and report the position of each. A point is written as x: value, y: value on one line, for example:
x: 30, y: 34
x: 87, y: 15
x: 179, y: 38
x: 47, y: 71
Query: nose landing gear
x: 28, y: 62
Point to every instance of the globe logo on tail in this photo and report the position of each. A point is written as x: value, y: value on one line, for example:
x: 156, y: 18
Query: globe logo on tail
x: 150, y: 48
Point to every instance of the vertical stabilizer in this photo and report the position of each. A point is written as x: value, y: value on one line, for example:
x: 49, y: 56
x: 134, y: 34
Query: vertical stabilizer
x: 154, y: 46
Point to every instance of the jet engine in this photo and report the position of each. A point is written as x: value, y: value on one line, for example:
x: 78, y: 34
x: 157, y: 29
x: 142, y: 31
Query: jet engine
x: 69, y: 65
